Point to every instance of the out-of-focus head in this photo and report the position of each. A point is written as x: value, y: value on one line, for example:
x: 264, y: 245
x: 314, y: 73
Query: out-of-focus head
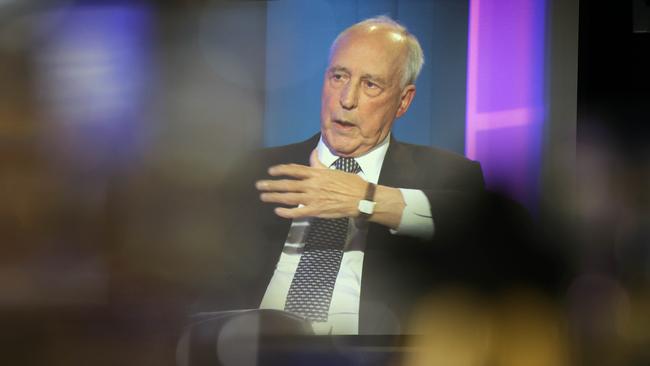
x: 369, y: 82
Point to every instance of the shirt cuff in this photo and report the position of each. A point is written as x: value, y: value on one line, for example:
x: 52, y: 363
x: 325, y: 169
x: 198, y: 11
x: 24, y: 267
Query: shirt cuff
x: 416, y: 217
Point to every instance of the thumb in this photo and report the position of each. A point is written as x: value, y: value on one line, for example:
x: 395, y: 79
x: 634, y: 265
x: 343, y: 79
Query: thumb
x: 314, y: 162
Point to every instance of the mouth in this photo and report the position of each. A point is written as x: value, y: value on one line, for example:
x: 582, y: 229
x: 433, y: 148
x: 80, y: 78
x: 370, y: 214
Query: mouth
x: 341, y: 123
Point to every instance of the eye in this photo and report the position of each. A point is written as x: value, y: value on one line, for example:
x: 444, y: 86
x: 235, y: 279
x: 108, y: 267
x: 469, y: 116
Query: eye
x: 338, y: 78
x: 370, y: 85
x: 371, y: 89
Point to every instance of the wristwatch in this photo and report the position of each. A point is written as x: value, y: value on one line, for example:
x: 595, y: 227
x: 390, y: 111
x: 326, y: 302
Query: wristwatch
x: 367, y: 205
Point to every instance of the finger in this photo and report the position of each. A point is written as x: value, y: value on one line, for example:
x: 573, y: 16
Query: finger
x: 291, y: 170
x: 291, y: 199
x: 314, y: 162
x: 281, y: 185
x: 293, y: 213
x: 305, y: 211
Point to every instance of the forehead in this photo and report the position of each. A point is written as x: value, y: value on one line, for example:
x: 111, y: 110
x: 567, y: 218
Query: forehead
x: 377, y: 53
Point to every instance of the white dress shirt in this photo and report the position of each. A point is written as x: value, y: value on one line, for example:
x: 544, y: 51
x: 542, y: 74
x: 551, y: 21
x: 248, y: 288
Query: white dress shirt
x: 343, y: 317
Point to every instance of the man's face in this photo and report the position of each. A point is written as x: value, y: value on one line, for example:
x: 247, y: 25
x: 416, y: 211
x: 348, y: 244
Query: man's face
x: 362, y: 95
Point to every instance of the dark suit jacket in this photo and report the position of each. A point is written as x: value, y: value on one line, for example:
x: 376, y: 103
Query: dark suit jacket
x: 397, y: 270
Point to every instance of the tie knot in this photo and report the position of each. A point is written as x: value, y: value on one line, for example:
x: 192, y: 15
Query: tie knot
x: 348, y: 165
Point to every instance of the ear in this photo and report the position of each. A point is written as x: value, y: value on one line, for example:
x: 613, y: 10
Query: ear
x: 405, y: 100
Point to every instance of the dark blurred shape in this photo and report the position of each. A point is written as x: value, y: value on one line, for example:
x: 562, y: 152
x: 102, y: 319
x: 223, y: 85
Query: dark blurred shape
x: 75, y: 102
x: 641, y: 16
x: 509, y: 249
x: 114, y: 131
x: 234, y: 337
x: 613, y: 205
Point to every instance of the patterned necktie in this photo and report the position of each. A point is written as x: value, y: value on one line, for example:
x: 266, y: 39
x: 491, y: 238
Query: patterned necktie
x: 311, y: 290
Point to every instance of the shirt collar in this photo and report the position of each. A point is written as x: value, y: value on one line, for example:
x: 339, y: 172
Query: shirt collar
x: 369, y: 162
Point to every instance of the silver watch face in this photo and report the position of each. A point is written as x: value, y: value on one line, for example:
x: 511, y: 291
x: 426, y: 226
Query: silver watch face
x: 366, y: 207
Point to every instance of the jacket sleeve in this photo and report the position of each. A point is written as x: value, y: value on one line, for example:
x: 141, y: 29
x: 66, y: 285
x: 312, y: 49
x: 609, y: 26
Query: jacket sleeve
x: 456, y: 208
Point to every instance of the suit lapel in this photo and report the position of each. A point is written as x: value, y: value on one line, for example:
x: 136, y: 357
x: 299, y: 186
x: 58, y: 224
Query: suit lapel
x: 306, y: 147
x: 398, y: 169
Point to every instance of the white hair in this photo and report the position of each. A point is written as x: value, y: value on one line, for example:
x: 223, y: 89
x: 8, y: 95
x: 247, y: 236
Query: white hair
x: 414, y: 55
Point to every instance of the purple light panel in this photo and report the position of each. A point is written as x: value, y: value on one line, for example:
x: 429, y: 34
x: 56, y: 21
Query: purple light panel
x: 505, y: 94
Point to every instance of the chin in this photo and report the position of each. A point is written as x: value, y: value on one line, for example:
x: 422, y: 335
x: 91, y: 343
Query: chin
x: 340, y: 145
x: 341, y: 149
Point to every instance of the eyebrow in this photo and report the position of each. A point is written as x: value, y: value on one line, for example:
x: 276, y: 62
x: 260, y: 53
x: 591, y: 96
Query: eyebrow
x: 338, y: 68
x: 377, y: 78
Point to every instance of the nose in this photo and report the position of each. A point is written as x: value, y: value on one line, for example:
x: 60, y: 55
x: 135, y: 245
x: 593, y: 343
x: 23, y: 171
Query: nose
x: 349, y: 96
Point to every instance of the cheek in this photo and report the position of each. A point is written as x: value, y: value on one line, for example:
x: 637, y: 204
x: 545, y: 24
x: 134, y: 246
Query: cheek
x: 374, y: 120
x: 328, y: 97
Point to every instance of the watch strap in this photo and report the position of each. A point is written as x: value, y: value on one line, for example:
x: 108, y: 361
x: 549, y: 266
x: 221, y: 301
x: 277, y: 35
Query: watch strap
x: 370, y: 192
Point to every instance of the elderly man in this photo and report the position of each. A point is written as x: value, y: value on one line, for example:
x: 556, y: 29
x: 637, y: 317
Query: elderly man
x: 350, y: 228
